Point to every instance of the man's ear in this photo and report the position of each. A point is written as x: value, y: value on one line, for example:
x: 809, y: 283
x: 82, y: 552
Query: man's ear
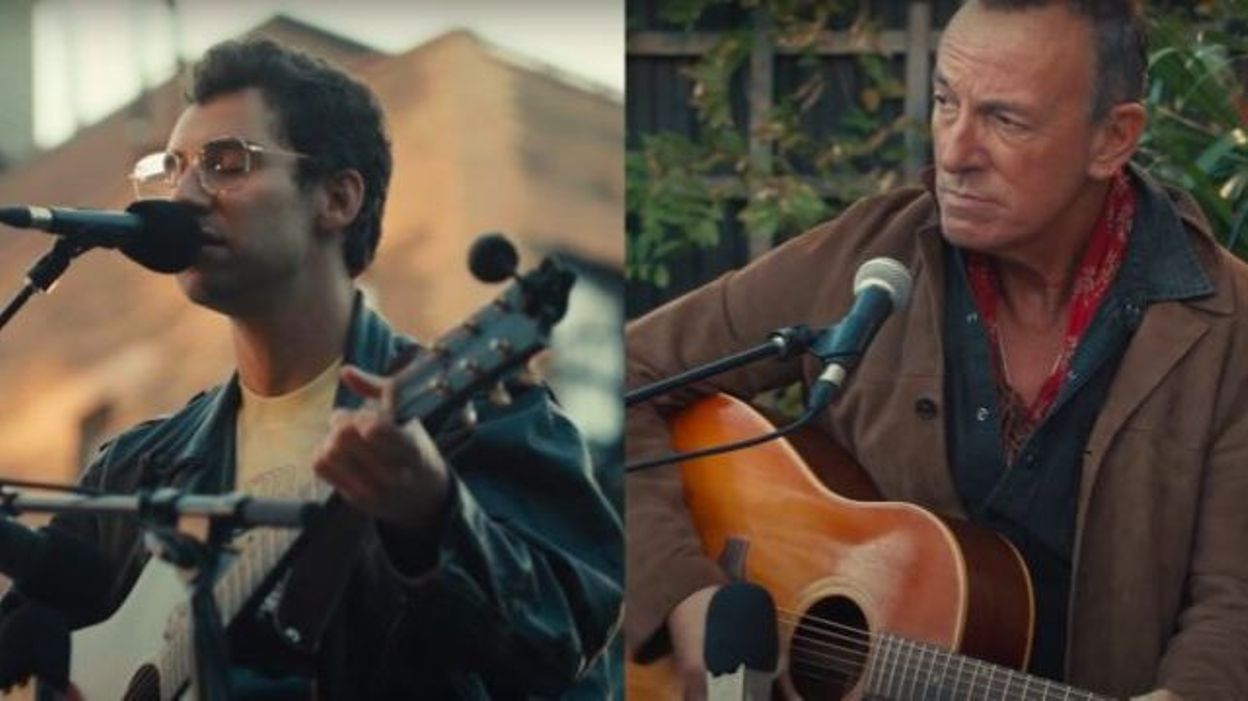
x: 1116, y: 138
x: 342, y: 195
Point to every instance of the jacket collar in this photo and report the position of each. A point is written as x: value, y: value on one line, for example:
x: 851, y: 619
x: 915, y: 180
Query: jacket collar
x: 370, y: 345
x: 1172, y: 253
x: 1162, y: 264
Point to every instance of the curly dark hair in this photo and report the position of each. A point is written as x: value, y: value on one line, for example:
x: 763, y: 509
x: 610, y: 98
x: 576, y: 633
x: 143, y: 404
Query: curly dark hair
x: 322, y: 112
x: 1121, y: 46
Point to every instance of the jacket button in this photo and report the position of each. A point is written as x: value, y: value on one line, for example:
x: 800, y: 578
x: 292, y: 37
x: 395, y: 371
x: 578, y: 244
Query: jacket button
x: 926, y: 408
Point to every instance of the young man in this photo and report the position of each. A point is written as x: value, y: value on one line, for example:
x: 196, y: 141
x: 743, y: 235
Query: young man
x: 1069, y: 371
x: 492, y: 571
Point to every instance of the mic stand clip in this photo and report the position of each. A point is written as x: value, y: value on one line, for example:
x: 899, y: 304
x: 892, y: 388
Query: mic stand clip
x: 839, y: 359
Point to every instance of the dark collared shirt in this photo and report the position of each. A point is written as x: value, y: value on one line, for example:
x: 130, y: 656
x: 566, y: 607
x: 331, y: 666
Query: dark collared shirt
x: 1032, y: 501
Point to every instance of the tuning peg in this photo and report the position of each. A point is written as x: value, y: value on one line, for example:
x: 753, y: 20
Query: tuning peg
x: 468, y: 414
x: 499, y: 396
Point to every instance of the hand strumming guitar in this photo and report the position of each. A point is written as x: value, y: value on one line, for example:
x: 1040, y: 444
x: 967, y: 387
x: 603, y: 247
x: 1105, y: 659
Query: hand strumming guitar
x: 686, y: 625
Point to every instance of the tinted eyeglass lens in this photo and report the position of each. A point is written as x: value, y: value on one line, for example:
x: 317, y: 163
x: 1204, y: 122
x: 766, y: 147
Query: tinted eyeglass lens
x: 156, y: 174
x: 223, y: 162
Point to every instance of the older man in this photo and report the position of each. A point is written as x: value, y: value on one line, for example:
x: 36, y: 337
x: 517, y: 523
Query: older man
x: 1070, y: 372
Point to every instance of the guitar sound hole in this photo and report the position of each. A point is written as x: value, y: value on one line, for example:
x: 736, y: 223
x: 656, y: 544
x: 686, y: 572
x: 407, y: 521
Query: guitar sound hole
x: 144, y: 685
x: 828, y: 649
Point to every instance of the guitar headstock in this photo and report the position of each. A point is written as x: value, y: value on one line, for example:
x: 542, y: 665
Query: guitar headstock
x: 487, y: 347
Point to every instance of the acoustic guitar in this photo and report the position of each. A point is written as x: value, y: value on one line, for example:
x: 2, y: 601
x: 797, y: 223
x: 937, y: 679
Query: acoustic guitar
x: 874, y: 599
x: 145, y: 650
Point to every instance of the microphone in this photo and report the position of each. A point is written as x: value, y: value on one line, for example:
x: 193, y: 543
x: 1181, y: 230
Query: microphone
x: 881, y: 287
x: 492, y: 258
x: 57, y: 568
x: 160, y: 235
x: 741, y: 647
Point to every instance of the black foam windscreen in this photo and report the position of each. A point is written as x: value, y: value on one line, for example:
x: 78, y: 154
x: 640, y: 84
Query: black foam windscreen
x: 741, y: 630
x: 492, y: 258
x: 170, y: 238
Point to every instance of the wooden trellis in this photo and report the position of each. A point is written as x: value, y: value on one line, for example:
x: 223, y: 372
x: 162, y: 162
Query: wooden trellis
x: 914, y: 41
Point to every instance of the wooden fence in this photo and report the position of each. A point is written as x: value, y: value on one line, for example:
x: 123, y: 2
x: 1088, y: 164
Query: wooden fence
x: 658, y: 100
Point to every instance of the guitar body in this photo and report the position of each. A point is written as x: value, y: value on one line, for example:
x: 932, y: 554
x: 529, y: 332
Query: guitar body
x: 105, y: 669
x: 835, y: 566
x: 105, y: 657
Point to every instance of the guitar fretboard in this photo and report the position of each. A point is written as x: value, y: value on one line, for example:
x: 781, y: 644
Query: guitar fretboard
x: 904, y: 669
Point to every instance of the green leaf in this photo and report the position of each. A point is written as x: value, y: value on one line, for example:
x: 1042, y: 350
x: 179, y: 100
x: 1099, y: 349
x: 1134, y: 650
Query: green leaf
x: 684, y: 12
x: 660, y: 276
x: 1215, y: 152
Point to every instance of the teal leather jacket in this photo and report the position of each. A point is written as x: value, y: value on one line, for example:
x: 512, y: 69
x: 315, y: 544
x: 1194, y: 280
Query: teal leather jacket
x: 524, y: 596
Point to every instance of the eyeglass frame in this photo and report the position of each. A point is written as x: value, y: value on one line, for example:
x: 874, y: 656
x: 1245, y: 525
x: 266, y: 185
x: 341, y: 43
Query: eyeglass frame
x: 249, y: 149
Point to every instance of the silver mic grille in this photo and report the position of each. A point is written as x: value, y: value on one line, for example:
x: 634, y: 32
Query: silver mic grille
x: 888, y: 274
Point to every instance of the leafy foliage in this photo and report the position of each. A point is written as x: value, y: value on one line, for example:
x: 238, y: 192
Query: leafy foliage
x: 668, y: 193
x: 1198, y: 116
x: 678, y: 186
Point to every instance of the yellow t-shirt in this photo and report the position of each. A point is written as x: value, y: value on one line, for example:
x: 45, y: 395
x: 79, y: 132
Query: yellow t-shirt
x: 278, y: 436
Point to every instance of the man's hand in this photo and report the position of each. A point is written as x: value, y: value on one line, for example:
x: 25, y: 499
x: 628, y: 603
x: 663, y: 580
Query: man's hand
x: 686, y: 625
x: 393, y: 473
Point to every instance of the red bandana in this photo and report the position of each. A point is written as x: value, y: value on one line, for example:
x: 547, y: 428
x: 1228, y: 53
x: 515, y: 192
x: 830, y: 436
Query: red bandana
x: 1096, y: 273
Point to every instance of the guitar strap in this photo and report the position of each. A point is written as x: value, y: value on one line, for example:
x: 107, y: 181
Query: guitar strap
x: 319, y: 573
x: 326, y: 554
x: 323, y: 565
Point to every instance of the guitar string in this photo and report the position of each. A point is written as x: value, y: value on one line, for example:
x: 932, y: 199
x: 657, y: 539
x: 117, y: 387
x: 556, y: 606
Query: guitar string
x: 857, y: 661
x: 852, y: 670
x: 852, y: 675
x: 858, y: 658
x: 997, y: 680
x: 840, y: 666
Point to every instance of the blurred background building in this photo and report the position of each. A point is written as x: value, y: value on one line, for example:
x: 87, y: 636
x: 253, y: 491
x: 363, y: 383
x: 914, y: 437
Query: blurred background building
x: 484, y: 140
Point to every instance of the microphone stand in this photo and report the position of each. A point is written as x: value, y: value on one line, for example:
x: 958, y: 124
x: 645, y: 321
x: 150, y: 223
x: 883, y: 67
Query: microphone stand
x: 159, y: 511
x: 49, y: 268
x: 43, y: 274
x: 780, y: 344
x: 203, y: 561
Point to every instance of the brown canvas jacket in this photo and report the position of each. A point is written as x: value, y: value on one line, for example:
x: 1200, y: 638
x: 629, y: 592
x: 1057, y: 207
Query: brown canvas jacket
x: 1160, y: 584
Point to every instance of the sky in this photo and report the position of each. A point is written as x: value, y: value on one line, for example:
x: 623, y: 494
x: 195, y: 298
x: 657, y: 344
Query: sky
x: 91, y: 56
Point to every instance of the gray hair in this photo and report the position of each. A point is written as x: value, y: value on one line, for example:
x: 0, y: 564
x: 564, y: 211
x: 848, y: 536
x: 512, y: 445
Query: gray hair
x: 1121, y: 45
